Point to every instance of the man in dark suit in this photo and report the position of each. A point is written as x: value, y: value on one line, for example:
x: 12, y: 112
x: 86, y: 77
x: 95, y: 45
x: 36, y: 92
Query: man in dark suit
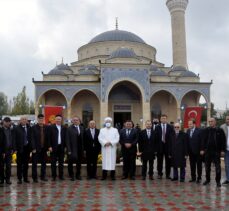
x: 23, y: 149
x: 147, y: 149
x: 128, y: 141
x: 39, y: 134
x: 213, y: 146
x: 79, y: 153
x: 6, y: 150
x: 164, y: 133
x: 194, y: 142
x: 74, y: 145
x: 178, y: 152
x: 56, y: 146
x: 92, y: 148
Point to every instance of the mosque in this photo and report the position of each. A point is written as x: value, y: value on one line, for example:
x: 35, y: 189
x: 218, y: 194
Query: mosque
x: 117, y: 75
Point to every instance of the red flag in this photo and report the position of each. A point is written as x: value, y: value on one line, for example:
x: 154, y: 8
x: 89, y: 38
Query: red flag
x: 193, y: 113
x: 50, y: 112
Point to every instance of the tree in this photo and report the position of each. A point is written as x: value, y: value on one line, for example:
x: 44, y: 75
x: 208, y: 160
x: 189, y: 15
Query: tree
x: 31, y: 107
x: 3, y: 104
x: 21, y: 103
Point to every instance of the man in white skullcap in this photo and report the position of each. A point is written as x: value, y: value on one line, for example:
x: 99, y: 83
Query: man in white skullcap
x: 108, y: 138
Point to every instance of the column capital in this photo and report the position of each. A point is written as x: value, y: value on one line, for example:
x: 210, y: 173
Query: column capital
x: 177, y: 5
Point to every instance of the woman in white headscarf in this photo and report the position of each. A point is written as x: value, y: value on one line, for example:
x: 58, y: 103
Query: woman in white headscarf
x: 108, y: 138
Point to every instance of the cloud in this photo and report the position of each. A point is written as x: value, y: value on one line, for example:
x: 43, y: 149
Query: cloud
x: 35, y: 34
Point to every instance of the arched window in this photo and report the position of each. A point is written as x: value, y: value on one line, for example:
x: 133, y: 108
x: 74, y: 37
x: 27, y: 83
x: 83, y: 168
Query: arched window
x: 87, y: 114
x: 156, y: 111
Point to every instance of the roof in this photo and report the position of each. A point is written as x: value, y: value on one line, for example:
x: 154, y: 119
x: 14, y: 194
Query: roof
x: 88, y: 70
x: 59, y: 69
x: 123, y: 53
x: 155, y: 71
x: 182, y: 72
x: 117, y: 35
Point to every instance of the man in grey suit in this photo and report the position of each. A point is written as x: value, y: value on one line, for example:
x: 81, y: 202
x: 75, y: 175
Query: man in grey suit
x: 225, y: 128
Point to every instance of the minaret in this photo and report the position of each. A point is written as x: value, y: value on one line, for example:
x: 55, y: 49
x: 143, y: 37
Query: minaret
x: 177, y: 10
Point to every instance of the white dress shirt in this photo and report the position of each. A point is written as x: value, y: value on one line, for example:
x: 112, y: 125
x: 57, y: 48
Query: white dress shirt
x: 59, y: 133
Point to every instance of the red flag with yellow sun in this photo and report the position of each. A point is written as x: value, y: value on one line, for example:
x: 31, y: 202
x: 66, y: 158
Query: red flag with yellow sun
x: 50, y: 112
x: 193, y: 113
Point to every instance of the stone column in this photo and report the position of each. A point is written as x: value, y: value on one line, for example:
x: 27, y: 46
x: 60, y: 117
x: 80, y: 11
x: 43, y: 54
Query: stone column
x: 145, y: 112
x: 103, y: 112
x: 177, y: 11
x: 69, y: 110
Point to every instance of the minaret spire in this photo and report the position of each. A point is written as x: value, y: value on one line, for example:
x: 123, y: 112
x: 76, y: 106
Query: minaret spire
x: 116, y: 23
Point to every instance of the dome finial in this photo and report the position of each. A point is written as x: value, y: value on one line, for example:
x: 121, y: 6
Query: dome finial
x: 62, y: 60
x: 116, y: 23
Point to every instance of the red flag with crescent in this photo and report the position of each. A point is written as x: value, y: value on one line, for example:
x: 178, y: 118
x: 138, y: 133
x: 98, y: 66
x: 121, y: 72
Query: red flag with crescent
x: 50, y: 112
x: 193, y: 113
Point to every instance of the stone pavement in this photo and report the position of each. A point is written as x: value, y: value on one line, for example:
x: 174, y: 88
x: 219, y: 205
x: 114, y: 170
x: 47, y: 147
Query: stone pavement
x: 126, y: 195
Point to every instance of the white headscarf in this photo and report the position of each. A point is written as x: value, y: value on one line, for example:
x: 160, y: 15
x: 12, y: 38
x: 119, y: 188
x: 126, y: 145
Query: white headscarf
x: 108, y: 119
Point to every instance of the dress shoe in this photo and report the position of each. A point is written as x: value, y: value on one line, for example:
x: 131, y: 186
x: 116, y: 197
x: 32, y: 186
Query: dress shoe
x: 103, y: 178
x: 159, y: 177
x: 78, y: 177
x: 132, y: 178
x: 8, y: 182
x: 72, y: 179
x: 218, y: 184
x: 174, y: 179
x: 168, y: 177
x: 206, y: 182
x: 61, y: 178
x: 151, y: 177
x: 53, y: 179
x: 113, y: 178
x: 89, y: 178
x: 44, y: 179
x: 226, y: 182
x: 1, y: 182
x: 124, y: 177
x: 192, y: 180
x: 35, y: 181
x: 143, y: 178
x: 95, y: 177
x: 19, y: 181
x: 26, y: 181
x: 181, y: 180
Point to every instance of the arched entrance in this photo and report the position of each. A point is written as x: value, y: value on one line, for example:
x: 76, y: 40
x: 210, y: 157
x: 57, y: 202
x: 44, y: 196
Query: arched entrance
x: 125, y: 102
x: 53, y: 97
x: 85, y: 105
x: 163, y: 102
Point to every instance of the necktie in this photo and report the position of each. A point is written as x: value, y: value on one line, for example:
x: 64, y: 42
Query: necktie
x: 42, y: 136
x: 163, y: 133
x: 191, y: 133
x: 25, y: 136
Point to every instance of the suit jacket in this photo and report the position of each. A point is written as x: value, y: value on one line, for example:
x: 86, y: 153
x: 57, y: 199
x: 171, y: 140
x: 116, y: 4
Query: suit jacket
x: 194, y: 142
x: 36, y: 137
x: 224, y: 127
x: 19, y: 134
x: 91, y: 145
x: 219, y: 138
x: 178, y: 149
x: 147, y: 146
x: 6, y: 145
x: 132, y: 139
x: 53, y: 137
x: 73, y: 143
x: 168, y: 137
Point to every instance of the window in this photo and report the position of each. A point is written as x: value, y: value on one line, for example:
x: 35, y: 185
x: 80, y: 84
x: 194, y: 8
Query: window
x: 87, y: 114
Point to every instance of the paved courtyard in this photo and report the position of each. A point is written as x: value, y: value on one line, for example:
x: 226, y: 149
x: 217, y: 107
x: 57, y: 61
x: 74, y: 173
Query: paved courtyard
x: 113, y: 195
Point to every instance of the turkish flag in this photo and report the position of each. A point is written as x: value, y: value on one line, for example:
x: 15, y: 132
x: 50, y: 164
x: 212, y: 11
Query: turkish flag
x: 193, y: 113
x: 50, y: 112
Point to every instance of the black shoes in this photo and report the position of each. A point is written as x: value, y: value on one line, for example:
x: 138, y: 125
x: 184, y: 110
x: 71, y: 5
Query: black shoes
x: 192, y: 180
x: 19, y: 181
x: 181, y: 180
x: 198, y: 181
x: 206, y: 182
x: 124, y: 177
x: 26, y: 181
x: 78, y: 177
x: 151, y: 178
x: 8, y: 182
x: 44, y: 179
x: 35, y: 181
x: 53, y: 179
x: 159, y: 177
x: 218, y: 184
x: 174, y: 179
x: 132, y: 178
x: 226, y: 182
x: 143, y: 178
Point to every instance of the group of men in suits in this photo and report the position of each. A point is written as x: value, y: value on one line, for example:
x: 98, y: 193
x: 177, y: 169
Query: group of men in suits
x: 159, y: 140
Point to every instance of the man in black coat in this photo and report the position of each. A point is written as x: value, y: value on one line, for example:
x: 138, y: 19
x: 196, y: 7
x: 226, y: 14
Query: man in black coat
x: 213, y: 146
x: 23, y: 148
x: 164, y: 133
x: 147, y: 149
x: 6, y: 151
x: 92, y: 148
x: 39, y: 136
x: 56, y: 146
x: 178, y: 152
x: 128, y: 141
x: 194, y: 143
x: 78, y: 148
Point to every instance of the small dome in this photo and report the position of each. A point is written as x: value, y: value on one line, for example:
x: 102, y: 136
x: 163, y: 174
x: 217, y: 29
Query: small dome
x: 182, y: 72
x: 123, y: 53
x: 155, y: 71
x: 88, y: 70
x: 188, y: 73
x: 117, y: 35
x: 59, y: 69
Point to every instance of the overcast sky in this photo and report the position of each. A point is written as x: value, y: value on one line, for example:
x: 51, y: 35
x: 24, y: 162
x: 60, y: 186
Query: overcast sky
x: 34, y: 34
